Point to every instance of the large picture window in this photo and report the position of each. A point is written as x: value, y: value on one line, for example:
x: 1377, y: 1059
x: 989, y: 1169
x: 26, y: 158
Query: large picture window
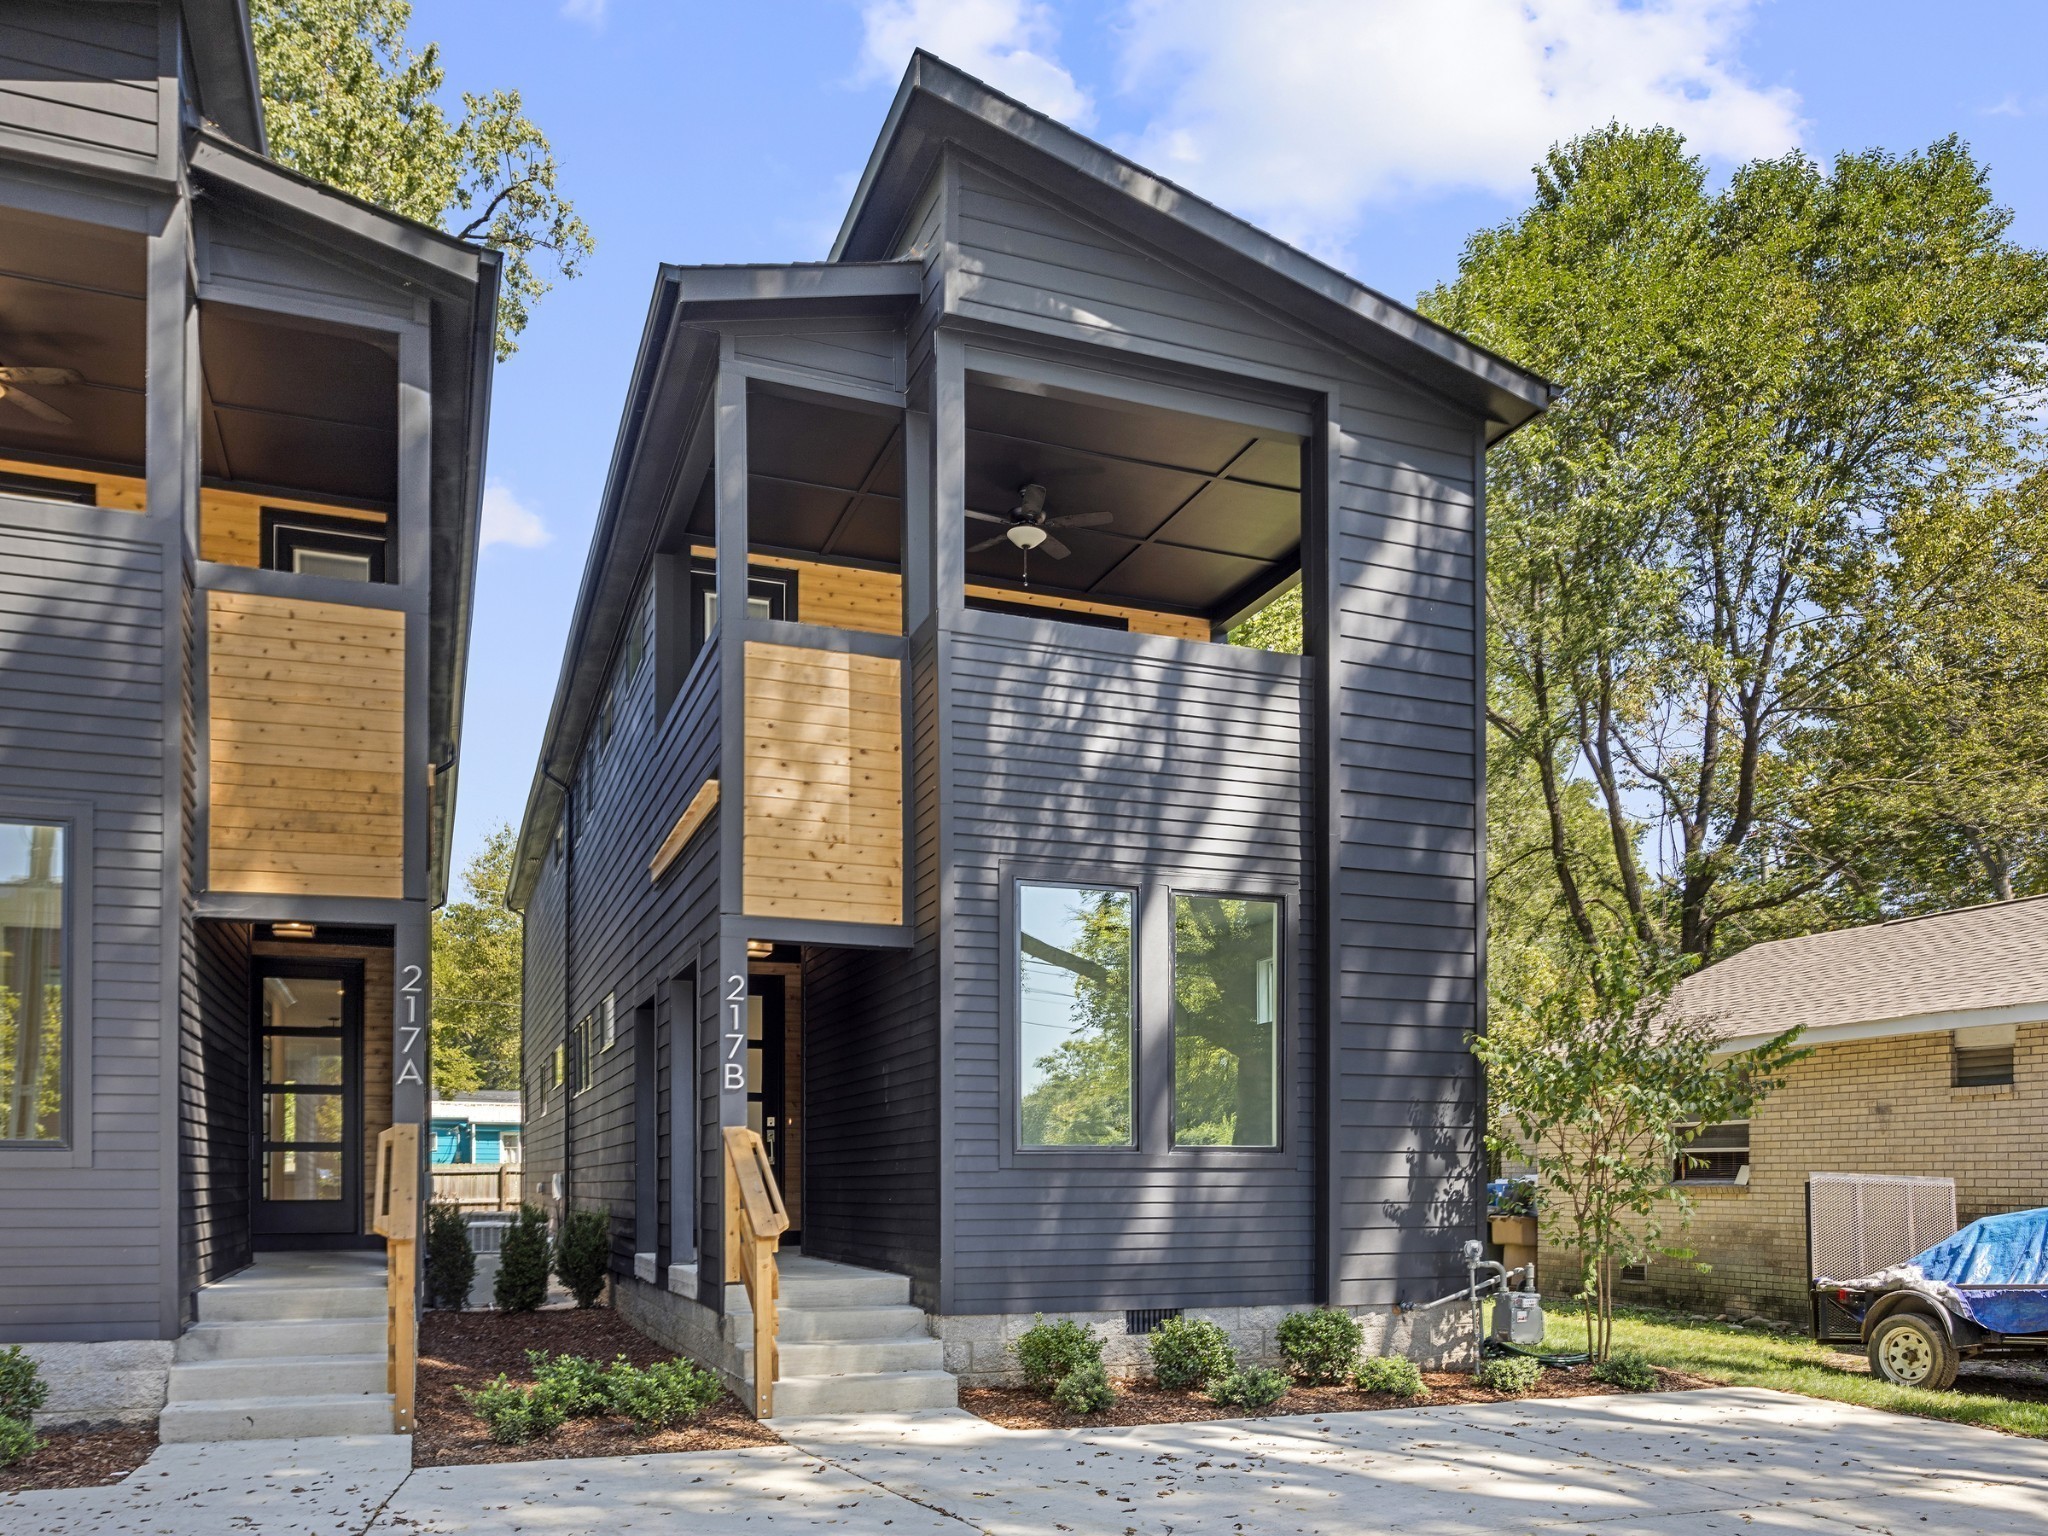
x: 1075, y: 1013
x: 32, y: 886
x: 1226, y: 1021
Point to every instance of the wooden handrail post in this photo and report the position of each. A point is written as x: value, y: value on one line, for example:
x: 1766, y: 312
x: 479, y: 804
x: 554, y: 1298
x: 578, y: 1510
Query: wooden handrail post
x: 397, y: 1220
x: 755, y: 1219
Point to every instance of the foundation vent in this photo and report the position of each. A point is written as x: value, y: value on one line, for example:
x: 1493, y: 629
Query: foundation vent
x: 1141, y: 1320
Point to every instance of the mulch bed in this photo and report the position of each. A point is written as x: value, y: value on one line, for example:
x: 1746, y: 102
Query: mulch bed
x: 1145, y: 1402
x: 469, y: 1349
x: 80, y: 1458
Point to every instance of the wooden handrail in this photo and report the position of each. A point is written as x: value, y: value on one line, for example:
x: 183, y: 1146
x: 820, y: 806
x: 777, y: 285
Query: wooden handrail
x: 755, y: 1219
x: 396, y: 1218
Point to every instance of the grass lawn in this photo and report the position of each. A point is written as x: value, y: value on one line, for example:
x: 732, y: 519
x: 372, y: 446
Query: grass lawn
x: 1744, y: 1357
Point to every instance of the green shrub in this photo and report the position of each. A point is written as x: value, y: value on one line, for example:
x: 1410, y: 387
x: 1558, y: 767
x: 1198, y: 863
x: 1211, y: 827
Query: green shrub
x: 522, y: 1283
x: 18, y: 1442
x: 22, y: 1389
x: 1186, y: 1352
x: 580, y: 1386
x: 1084, y: 1389
x: 1511, y: 1374
x: 1322, y: 1346
x: 1395, y: 1374
x: 1628, y: 1369
x: 583, y: 1254
x: 1049, y: 1352
x: 662, y: 1394
x: 514, y: 1414
x: 1250, y: 1386
x: 451, y: 1261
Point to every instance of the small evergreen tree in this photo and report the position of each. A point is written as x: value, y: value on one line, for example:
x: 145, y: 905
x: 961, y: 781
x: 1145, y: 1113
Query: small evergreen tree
x: 451, y: 1261
x: 522, y: 1283
x: 583, y: 1254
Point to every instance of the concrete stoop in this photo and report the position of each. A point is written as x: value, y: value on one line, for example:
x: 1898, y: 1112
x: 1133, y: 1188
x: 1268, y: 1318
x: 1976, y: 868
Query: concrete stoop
x: 850, y: 1342
x: 292, y: 1346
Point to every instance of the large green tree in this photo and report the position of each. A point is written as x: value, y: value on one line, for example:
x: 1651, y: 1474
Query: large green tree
x: 477, y: 977
x: 1747, y: 548
x: 348, y: 102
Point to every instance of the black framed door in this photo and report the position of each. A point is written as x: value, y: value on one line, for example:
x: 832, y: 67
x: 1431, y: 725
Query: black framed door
x: 308, y: 1089
x: 767, y: 1075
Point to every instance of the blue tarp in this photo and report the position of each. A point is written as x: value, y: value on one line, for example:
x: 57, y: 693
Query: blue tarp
x: 2001, y: 1251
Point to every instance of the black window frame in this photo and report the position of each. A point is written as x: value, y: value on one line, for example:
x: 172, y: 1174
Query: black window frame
x: 1013, y: 946
x: 73, y: 1147
x: 27, y: 487
x: 286, y: 531
x: 1281, y: 1019
x: 777, y: 583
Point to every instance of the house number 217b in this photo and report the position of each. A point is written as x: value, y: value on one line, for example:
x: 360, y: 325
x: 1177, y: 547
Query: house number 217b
x: 736, y: 1033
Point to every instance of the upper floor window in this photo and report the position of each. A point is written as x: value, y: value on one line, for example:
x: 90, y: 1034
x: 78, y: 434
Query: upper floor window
x: 1984, y: 1056
x: 1226, y: 1021
x: 322, y: 546
x: 1076, y: 1015
x: 32, y: 977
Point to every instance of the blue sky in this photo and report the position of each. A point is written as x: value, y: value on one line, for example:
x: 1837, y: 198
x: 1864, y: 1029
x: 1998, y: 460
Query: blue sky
x: 1376, y: 133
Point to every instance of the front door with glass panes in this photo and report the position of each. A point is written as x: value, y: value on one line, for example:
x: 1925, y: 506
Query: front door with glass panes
x: 767, y: 1097
x: 309, y: 1024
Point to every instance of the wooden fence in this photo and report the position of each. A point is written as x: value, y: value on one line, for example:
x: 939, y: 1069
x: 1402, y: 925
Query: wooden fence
x: 477, y: 1186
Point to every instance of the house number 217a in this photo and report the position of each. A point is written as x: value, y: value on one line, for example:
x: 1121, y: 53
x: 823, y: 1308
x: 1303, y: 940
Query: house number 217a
x: 411, y: 980
x: 735, y: 1033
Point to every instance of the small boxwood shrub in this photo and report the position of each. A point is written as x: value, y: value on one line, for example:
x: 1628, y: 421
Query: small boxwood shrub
x: 1394, y: 1374
x: 1628, y: 1369
x: 1084, y: 1389
x: 583, y: 1254
x: 1511, y: 1374
x: 22, y: 1388
x: 1322, y: 1346
x: 451, y: 1260
x: 18, y: 1442
x: 1049, y: 1352
x: 1187, y: 1352
x: 660, y: 1395
x: 1250, y: 1386
x: 522, y: 1283
x: 514, y: 1414
x: 580, y: 1386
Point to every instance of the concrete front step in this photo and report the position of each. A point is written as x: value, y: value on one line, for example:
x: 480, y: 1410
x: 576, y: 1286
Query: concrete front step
x: 860, y: 1357
x: 264, y: 1304
x: 831, y: 1324
x: 316, y: 1375
x: 889, y: 1392
x: 281, y: 1340
x: 804, y: 1290
x: 276, y: 1418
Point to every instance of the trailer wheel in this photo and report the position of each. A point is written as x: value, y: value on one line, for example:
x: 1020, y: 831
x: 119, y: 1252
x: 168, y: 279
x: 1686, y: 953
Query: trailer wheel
x: 1911, y: 1349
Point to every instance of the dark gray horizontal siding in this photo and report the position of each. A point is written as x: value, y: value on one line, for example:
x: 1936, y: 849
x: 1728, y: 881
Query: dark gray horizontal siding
x: 1090, y: 750
x: 82, y: 722
x: 80, y: 81
x: 540, y: 1003
x: 1406, y: 765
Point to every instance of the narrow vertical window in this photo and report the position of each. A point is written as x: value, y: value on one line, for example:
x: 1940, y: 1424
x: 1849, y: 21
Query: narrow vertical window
x: 1226, y: 1022
x: 1074, y: 1016
x: 31, y: 982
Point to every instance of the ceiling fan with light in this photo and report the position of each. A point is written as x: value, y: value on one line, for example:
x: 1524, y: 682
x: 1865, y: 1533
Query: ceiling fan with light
x: 1028, y: 526
x: 12, y: 379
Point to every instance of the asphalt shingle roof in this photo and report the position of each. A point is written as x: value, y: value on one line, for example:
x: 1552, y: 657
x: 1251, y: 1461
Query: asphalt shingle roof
x: 1993, y: 956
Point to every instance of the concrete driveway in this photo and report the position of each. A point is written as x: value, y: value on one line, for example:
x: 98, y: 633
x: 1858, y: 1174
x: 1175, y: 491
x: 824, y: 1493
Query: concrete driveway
x: 1699, y: 1462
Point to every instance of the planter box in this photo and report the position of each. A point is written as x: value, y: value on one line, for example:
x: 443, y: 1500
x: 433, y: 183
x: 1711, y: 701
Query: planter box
x: 1518, y: 1230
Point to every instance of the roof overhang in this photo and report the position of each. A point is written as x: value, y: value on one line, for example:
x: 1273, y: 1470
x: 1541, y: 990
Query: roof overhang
x: 458, y: 283
x: 938, y: 104
x: 1853, y: 1030
x: 224, y: 56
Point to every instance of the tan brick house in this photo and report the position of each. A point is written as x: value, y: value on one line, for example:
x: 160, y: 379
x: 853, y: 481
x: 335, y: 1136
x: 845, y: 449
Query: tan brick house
x: 1930, y: 1057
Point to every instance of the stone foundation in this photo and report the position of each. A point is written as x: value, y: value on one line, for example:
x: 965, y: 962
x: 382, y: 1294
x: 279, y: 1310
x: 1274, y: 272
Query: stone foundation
x: 981, y: 1350
x: 92, y: 1385
x: 672, y: 1316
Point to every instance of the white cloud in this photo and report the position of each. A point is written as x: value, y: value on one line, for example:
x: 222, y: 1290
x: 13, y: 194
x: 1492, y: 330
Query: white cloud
x: 592, y: 11
x: 508, y: 520
x: 1008, y: 43
x: 1299, y: 113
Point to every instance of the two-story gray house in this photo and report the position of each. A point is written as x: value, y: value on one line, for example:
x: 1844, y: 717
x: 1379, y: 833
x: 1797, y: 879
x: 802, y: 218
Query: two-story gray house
x: 241, y: 440
x: 906, y: 799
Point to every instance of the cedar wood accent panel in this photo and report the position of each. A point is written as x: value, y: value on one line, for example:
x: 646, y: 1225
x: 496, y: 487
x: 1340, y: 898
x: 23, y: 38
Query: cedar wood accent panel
x: 80, y: 82
x: 120, y: 493
x: 306, y: 720
x: 824, y: 793
x: 83, y: 625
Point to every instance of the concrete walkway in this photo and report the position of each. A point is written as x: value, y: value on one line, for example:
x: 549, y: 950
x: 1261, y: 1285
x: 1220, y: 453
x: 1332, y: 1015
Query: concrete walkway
x: 1723, y: 1461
